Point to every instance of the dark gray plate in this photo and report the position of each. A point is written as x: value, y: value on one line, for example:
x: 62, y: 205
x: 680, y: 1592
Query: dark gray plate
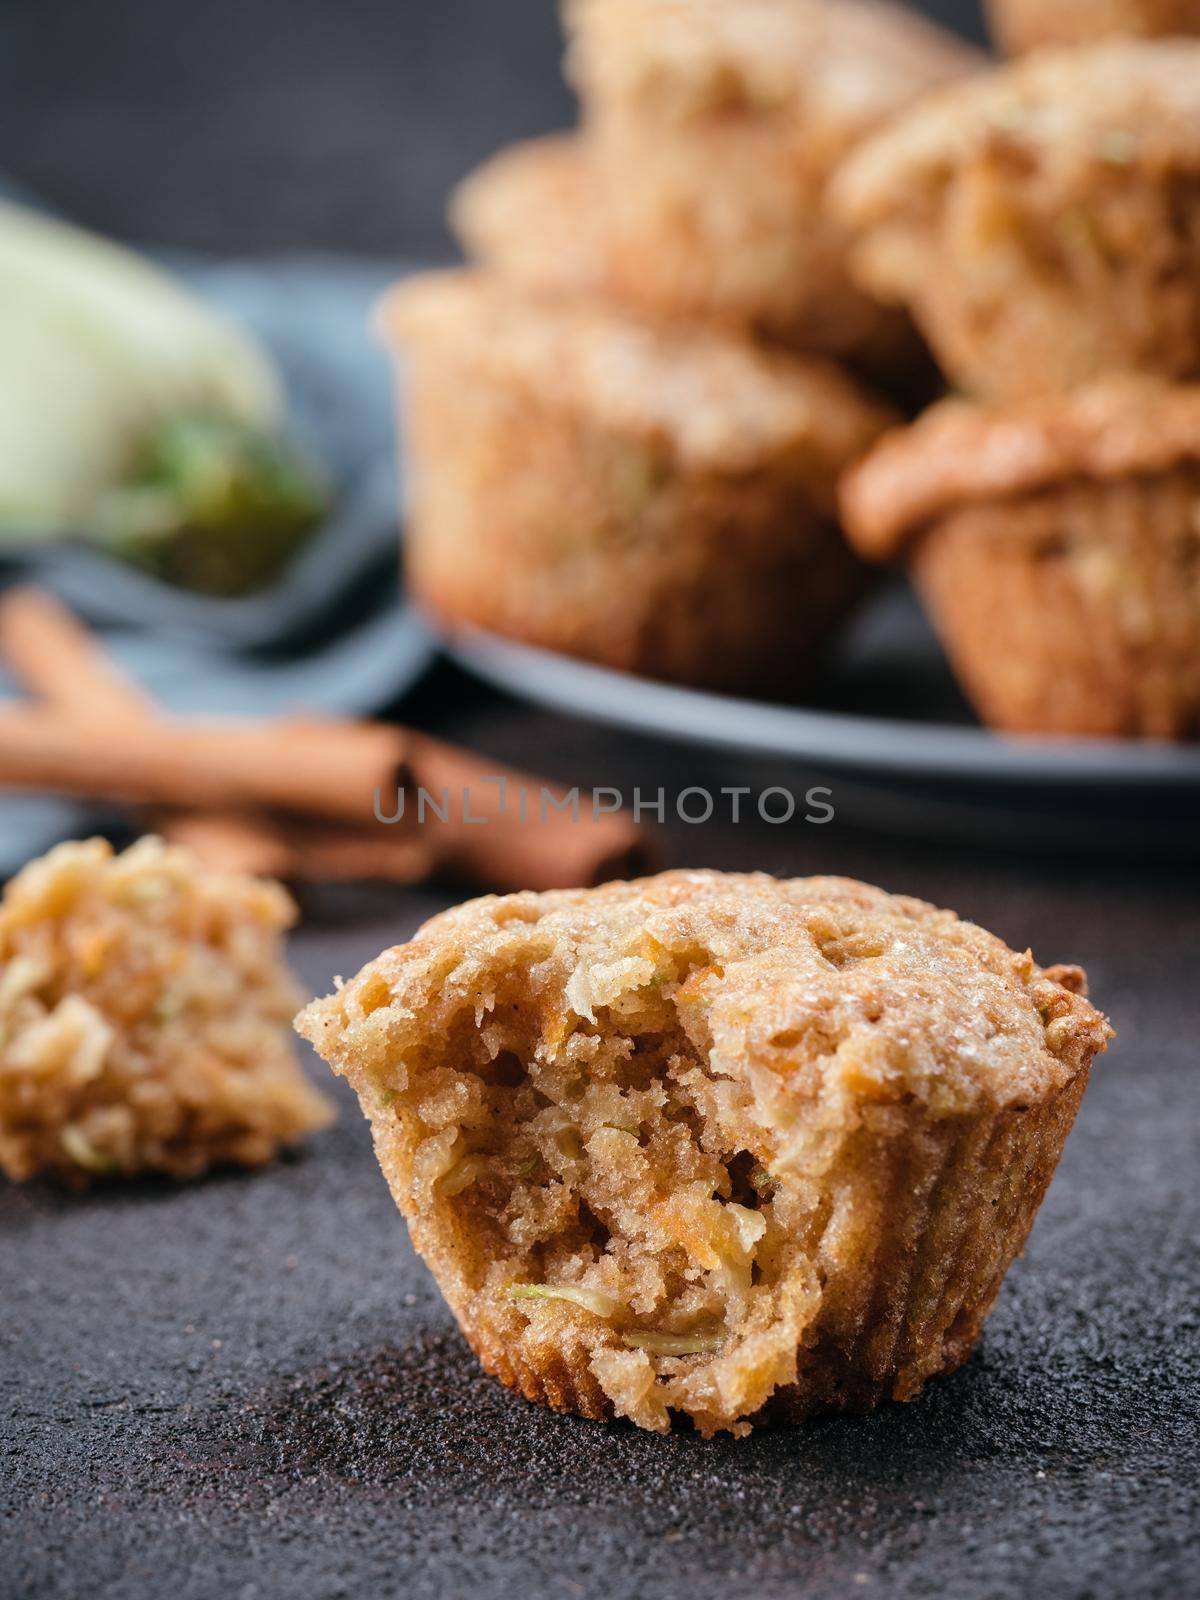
x: 916, y: 740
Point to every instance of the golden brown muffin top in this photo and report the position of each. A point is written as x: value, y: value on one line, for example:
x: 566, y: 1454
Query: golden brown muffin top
x: 1118, y: 104
x: 795, y: 982
x: 717, y: 401
x: 842, y: 65
x: 527, y: 212
x: 959, y: 453
x: 144, y: 1009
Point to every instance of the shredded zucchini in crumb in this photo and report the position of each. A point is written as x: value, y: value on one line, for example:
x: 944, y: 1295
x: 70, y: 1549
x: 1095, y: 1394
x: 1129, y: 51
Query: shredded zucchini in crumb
x: 464, y: 1173
x: 141, y: 891
x: 672, y: 1344
x: 594, y: 1300
x: 84, y: 1153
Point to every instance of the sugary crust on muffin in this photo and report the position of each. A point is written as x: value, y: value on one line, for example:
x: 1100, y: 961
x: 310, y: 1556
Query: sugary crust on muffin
x: 714, y: 400
x: 1119, y: 105
x: 959, y: 453
x: 795, y: 977
x: 530, y: 213
x: 144, y: 1010
x: 843, y: 67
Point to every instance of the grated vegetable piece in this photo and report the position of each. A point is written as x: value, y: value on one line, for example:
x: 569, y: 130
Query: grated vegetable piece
x: 593, y: 1300
x: 672, y: 1344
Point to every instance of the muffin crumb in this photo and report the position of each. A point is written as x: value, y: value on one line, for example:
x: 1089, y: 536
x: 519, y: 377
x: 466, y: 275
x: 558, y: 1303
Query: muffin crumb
x: 144, y: 1009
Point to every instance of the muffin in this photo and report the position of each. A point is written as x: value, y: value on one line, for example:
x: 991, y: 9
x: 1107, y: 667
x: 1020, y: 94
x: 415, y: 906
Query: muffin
x: 658, y: 501
x: 714, y: 1146
x: 714, y: 126
x: 1057, y: 548
x: 530, y: 214
x: 144, y: 1011
x: 1043, y: 222
x: 534, y: 214
x: 1021, y: 25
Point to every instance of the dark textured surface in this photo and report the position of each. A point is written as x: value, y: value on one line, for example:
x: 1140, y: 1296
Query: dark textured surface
x: 250, y: 1388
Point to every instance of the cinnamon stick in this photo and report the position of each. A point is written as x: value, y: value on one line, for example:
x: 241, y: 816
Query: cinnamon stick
x: 330, y: 770
x: 511, y: 829
x: 57, y: 659
x: 320, y: 768
x: 319, y: 854
x: 293, y: 799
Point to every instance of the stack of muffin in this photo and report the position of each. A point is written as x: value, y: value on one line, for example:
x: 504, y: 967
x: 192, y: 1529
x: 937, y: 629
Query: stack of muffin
x: 627, y: 422
x: 1042, y: 223
x: 630, y: 420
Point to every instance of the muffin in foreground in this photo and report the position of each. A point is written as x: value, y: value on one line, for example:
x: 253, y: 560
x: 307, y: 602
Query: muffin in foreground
x: 715, y: 1146
x: 1042, y: 223
x: 714, y: 126
x: 144, y: 1011
x: 660, y: 501
x: 1057, y: 548
x: 1022, y: 25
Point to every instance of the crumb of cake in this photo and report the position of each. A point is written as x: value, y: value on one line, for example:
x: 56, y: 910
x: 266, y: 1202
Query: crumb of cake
x: 714, y: 1146
x: 144, y: 1009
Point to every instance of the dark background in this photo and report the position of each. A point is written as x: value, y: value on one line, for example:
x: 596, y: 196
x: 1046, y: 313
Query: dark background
x: 257, y: 125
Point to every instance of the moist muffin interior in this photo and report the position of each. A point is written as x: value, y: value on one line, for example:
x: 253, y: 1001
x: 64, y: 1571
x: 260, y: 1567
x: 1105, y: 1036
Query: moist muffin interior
x: 675, y: 1146
x: 607, y: 1177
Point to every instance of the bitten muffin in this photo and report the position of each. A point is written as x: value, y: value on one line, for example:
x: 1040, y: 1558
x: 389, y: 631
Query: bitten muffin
x: 658, y: 501
x: 1043, y: 222
x: 144, y: 1011
x: 714, y: 126
x: 1021, y: 25
x: 534, y: 213
x: 716, y: 1146
x: 1057, y: 548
